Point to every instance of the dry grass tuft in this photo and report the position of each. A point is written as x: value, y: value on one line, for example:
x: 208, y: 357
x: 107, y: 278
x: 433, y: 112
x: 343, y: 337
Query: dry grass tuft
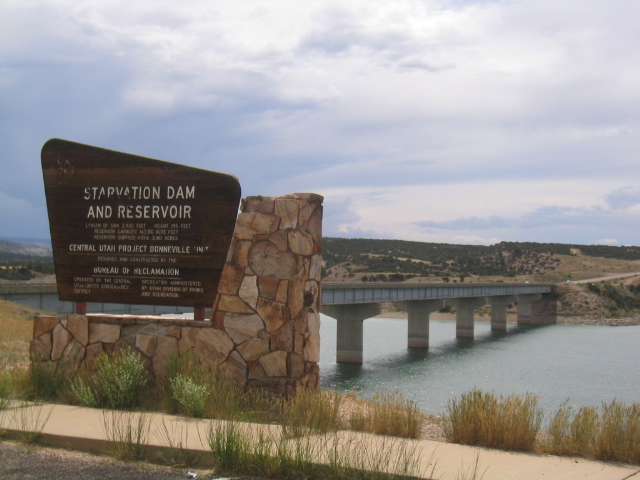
x: 16, y: 330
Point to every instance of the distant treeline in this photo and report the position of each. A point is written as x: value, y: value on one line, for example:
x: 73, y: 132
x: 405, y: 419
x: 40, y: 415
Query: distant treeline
x: 19, y: 267
x: 407, y: 258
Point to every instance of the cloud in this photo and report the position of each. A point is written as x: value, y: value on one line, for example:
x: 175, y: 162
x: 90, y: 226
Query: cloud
x: 623, y: 198
x: 442, y: 120
x: 607, y: 241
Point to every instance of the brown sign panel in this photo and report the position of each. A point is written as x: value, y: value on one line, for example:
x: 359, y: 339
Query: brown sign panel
x: 129, y: 229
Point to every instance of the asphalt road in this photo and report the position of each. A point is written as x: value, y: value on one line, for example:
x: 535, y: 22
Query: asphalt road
x: 28, y: 462
x: 608, y: 277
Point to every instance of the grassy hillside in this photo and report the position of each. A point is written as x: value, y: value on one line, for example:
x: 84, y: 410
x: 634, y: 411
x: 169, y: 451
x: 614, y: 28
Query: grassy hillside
x: 354, y: 260
x: 16, y: 330
x: 398, y: 260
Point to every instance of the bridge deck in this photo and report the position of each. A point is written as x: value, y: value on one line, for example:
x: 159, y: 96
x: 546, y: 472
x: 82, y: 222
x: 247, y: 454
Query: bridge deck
x: 346, y: 293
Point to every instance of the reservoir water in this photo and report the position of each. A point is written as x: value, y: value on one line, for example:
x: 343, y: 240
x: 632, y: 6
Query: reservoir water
x: 586, y: 364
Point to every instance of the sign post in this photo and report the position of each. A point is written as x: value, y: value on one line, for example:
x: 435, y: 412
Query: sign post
x: 129, y: 229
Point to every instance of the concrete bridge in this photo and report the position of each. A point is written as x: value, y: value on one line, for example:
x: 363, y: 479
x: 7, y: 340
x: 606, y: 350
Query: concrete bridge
x: 352, y: 303
x: 44, y: 296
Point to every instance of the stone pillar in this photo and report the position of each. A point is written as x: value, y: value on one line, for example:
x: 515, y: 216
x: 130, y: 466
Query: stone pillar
x: 499, y: 311
x: 525, y: 308
x: 464, y: 314
x: 350, y: 318
x: 269, y: 293
x: 418, y: 328
x: 265, y: 321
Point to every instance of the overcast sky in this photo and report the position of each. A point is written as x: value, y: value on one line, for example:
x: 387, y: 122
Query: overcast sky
x: 455, y: 121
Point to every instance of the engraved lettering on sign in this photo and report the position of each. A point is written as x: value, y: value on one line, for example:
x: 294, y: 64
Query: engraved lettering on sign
x: 112, y: 232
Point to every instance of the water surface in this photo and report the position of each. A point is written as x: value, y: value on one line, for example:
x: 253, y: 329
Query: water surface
x: 586, y: 364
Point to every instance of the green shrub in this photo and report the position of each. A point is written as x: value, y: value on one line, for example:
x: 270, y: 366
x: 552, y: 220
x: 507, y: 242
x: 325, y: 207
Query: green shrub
x: 217, y: 395
x: 41, y: 381
x: 118, y: 380
x: 191, y: 396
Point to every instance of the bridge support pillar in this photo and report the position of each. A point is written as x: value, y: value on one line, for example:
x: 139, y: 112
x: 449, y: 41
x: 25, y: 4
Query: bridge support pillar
x: 537, y: 309
x: 525, y: 308
x: 350, y: 319
x: 499, y: 311
x: 418, y: 329
x: 464, y: 314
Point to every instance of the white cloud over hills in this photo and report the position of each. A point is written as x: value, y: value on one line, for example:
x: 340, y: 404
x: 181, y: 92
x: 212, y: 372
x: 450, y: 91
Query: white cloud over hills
x: 434, y: 120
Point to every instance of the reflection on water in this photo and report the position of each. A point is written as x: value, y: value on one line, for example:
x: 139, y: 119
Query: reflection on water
x: 586, y: 364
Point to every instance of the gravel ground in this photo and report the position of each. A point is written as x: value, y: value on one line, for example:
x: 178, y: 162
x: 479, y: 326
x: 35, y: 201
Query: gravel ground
x: 31, y: 462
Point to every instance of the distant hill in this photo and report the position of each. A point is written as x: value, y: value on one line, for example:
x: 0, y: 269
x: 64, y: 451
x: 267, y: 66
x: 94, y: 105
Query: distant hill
x: 28, y: 247
x: 398, y: 260
x: 24, y: 261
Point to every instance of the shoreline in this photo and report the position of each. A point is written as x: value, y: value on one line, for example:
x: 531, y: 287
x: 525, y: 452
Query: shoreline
x: 512, y: 319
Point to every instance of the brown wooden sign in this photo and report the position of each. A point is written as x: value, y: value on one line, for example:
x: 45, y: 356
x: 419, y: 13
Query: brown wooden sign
x: 129, y: 229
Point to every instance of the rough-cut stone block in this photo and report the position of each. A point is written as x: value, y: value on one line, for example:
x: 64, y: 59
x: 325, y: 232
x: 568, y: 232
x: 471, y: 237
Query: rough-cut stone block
x: 301, y: 243
x: 265, y: 335
x: 249, y: 290
x: 296, y: 366
x: 265, y: 259
x: 258, y: 203
x: 287, y: 210
x: 174, y: 331
x: 166, y: 347
x: 268, y: 287
x: 40, y: 347
x: 103, y: 332
x: 256, y: 372
x: 253, y: 349
x: 282, y: 294
x: 274, y: 364
x: 313, y: 322
x: 147, y: 344
x: 282, y: 339
x: 315, y: 225
x: 78, y: 326
x: 61, y: 338
x: 274, y: 314
x: 263, y: 223
x: 312, y: 347
x: 242, y: 327
x: 243, y: 230
x: 155, y: 329
x: 280, y: 239
x: 187, y: 339
x: 233, y: 304
x: 295, y: 300
x: 315, y: 268
x: 92, y: 352
x: 72, y: 358
x: 230, y: 280
x: 298, y: 343
x: 43, y: 324
x: 213, y: 346
x: 236, y: 368
x: 305, y: 215
x: 241, y: 254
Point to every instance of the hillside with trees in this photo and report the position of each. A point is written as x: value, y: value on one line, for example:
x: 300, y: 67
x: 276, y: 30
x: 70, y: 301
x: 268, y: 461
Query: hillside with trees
x: 398, y: 260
